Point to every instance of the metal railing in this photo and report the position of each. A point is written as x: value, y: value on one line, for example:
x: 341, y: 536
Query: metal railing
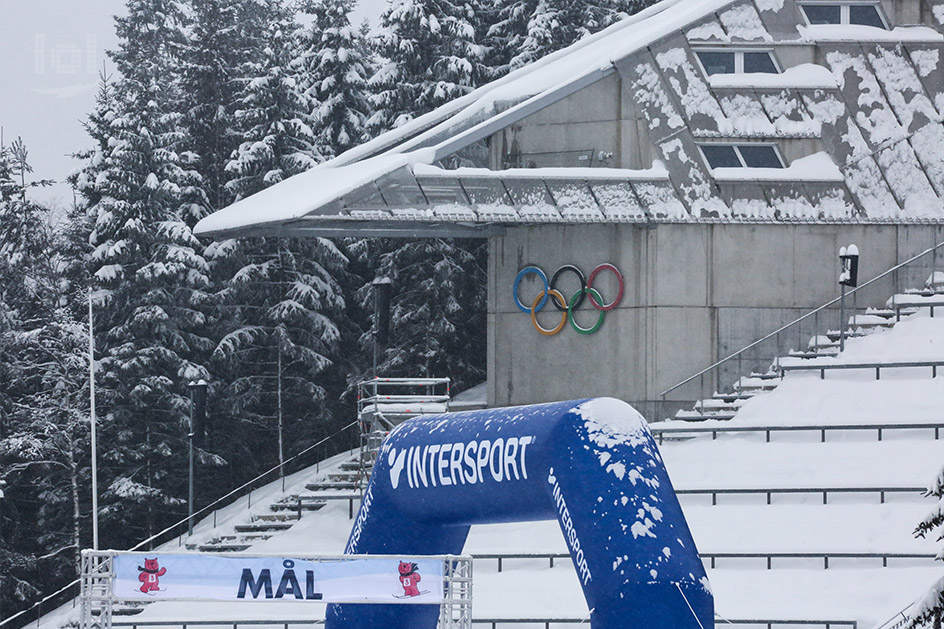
x: 794, y: 329
x: 825, y: 491
x: 712, y: 557
x: 769, y: 623
x: 899, y: 620
x: 71, y: 591
x: 661, y: 432
x: 823, y: 368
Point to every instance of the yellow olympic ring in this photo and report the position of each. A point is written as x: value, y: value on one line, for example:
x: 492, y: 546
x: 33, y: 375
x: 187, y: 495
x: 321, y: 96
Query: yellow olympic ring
x: 534, y: 317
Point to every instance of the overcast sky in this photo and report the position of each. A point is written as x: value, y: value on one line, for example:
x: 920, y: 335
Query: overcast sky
x: 51, y: 53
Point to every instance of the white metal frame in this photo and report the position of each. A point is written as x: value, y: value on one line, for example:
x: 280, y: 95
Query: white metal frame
x: 97, y: 597
x: 376, y: 422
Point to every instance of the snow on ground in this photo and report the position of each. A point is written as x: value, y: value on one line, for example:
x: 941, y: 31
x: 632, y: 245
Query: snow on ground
x: 796, y: 588
x: 747, y: 462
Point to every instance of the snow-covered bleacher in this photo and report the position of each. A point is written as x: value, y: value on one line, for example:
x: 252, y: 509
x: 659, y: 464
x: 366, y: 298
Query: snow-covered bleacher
x: 802, y: 489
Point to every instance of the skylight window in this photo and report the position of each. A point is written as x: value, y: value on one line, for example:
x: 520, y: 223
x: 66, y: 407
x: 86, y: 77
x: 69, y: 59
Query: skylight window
x: 741, y: 156
x: 856, y: 13
x: 737, y: 62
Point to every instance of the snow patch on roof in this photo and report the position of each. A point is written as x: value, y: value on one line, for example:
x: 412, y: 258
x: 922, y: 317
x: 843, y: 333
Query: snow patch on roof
x: 769, y: 5
x: 297, y: 196
x: 857, y: 33
x: 812, y: 168
x: 805, y: 76
x: 743, y: 23
x: 657, y: 171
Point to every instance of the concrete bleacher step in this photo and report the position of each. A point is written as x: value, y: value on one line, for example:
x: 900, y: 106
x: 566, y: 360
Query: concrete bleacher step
x: 122, y: 610
x: 246, y: 538
x: 696, y: 416
x: 351, y: 466
x: 344, y: 477
x: 833, y: 335
x: 299, y: 503
x: 328, y: 486
x: 264, y: 527
x: 231, y: 547
x: 711, y: 409
x: 756, y: 384
x: 731, y: 397
x: 274, y: 517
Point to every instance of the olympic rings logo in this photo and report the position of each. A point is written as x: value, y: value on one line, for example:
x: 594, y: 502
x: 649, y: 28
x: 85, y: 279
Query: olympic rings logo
x: 559, y: 302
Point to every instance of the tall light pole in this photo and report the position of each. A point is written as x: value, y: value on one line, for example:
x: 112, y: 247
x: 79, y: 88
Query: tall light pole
x: 93, y: 422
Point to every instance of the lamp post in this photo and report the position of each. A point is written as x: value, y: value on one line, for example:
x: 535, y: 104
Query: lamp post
x: 383, y: 287
x: 848, y: 276
x: 198, y: 391
x: 93, y: 421
x: 3, y: 484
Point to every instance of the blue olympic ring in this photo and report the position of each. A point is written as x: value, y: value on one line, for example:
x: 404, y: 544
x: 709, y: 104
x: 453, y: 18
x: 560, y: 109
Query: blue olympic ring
x: 526, y: 271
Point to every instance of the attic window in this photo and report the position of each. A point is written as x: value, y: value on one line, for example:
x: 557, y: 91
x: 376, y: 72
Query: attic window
x: 741, y: 156
x: 856, y: 13
x: 737, y: 62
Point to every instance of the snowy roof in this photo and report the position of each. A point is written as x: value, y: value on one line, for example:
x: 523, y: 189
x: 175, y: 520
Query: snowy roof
x: 858, y: 120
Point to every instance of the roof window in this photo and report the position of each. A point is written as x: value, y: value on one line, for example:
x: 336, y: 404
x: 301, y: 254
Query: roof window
x: 741, y: 155
x: 737, y: 62
x: 857, y: 13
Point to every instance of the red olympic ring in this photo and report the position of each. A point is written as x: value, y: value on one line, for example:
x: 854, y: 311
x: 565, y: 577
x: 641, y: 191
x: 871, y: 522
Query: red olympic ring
x: 619, y: 295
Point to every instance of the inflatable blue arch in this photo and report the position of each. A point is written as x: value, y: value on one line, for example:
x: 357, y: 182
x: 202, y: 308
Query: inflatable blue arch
x: 590, y: 464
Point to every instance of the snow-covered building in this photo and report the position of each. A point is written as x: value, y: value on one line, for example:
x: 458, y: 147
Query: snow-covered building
x: 717, y: 152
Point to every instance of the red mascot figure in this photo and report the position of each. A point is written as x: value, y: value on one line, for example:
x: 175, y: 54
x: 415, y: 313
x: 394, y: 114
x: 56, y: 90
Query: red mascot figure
x: 150, y: 575
x: 409, y: 577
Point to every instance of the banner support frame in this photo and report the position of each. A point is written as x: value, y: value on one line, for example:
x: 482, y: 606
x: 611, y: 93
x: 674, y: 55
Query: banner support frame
x: 97, y: 595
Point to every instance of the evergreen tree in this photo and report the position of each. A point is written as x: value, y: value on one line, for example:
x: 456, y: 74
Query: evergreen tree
x: 333, y: 70
x: 283, y: 299
x: 430, y: 57
x: 43, y: 421
x: 280, y: 297
x: 149, y: 274
x: 437, y: 314
x: 212, y: 60
x: 273, y: 116
x: 929, y: 609
x: 526, y: 30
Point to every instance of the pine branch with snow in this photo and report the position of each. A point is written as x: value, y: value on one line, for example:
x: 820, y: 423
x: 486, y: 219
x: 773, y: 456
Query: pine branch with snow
x: 332, y: 71
x: 928, y: 611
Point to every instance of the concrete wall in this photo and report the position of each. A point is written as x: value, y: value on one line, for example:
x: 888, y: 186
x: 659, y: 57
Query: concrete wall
x: 693, y: 293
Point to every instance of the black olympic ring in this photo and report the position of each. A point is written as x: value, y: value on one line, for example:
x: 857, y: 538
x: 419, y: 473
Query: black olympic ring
x: 583, y: 286
x: 560, y: 302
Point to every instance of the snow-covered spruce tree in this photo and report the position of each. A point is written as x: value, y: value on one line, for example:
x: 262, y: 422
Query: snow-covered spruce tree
x: 526, y: 30
x: 212, y: 61
x: 149, y: 275
x: 279, y: 297
x: 333, y: 71
x: 929, y: 609
x: 437, y: 315
x: 43, y: 418
x: 429, y: 57
x: 282, y: 300
x: 273, y: 115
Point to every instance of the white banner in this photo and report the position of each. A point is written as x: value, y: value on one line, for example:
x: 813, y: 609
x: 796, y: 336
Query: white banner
x: 236, y: 578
